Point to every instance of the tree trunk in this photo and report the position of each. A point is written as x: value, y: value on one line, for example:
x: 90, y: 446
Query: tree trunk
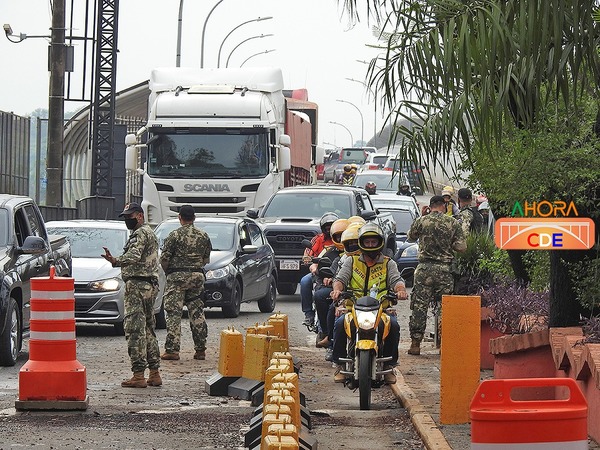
x: 516, y: 261
x: 564, y: 308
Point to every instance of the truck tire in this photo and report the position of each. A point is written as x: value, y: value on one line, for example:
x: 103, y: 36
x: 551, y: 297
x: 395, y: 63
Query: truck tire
x: 10, y: 340
x: 287, y: 288
x: 119, y: 328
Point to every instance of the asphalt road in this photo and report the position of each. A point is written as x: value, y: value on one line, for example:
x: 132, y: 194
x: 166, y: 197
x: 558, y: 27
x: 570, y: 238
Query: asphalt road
x: 180, y: 414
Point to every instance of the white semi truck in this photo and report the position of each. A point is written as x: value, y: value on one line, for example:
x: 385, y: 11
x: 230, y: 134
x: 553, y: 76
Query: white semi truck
x: 216, y: 139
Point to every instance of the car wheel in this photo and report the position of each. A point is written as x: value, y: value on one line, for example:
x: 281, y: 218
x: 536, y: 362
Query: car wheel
x: 161, y: 321
x: 267, y: 303
x: 10, y: 340
x: 119, y: 328
x: 287, y: 288
x: 233, y: 309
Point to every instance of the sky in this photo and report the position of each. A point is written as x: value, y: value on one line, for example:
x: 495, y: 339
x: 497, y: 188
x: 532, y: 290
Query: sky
x: 315, y: 46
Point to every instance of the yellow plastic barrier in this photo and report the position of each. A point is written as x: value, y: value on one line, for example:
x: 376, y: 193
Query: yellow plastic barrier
x: 231, y: 353
x: 280, y: 323
x: 275, y: 442
x: 256, y: 356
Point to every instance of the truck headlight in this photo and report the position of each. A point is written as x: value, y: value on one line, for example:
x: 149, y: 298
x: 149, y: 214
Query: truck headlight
x: 215, y: 274
x: 410, y: 252
x: 111, y: 284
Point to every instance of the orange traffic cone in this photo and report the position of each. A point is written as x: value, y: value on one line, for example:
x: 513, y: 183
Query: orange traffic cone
x: 52, y: 378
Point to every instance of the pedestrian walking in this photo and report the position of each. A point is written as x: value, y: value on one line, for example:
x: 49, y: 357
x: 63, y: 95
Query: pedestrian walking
x: 139, y: 270
x: 185, y: 252
x: 439, y: 237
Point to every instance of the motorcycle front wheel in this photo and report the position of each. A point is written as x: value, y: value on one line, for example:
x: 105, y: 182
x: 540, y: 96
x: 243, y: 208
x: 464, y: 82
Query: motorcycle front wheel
x: 364, y: 378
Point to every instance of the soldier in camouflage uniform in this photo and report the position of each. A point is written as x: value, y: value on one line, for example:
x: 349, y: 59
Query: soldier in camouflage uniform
x: 465, y: 214
x: 185, y: 252
x: 439, y: 236
x: 139, y: 270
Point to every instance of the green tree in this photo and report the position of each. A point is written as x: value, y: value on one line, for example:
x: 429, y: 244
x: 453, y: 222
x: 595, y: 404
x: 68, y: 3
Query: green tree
x: 461, y: 72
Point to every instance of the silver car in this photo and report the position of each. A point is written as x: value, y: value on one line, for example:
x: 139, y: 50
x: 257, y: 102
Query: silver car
x: 99, y: 289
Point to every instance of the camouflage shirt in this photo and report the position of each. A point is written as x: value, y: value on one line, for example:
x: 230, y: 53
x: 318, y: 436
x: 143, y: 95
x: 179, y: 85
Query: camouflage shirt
x: 187, y: 247
x: 140, y: 254
x: 439, y: 236
x: 465, y: 217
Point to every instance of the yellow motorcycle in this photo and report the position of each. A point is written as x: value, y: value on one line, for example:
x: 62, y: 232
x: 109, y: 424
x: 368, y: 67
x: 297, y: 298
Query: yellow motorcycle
x: 367, y: 326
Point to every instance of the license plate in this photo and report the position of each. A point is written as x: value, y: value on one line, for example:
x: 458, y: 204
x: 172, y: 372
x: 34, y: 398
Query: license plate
x: 287, y: 264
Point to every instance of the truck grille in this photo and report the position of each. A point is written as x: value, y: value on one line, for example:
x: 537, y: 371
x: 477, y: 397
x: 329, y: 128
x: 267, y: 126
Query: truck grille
x: 288, y: 243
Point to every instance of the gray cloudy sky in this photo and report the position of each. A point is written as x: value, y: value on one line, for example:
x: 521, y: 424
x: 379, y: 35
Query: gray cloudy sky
x: 316, y: 49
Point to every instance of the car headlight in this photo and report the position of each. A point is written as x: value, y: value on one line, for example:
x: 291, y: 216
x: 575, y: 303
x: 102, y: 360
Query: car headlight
x: 366, y: 319
x: 410, y: 252
x: 215, y: 274
x: 111, y: 284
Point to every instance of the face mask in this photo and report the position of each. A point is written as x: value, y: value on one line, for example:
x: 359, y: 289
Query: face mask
x: 372, y: 253
x: 352, y: 248
x: 131, y: 223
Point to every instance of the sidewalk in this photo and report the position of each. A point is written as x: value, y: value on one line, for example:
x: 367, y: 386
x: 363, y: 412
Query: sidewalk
x: 418, y: 389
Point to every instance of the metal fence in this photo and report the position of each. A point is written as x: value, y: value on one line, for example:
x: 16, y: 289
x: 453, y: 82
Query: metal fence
x: 14, y: 153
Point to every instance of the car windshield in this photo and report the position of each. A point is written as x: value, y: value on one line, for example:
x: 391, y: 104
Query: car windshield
x: 88, y: 242
x: 218, y: 154
x: 403, y: 219
x: 308, y: 205
x: 3, y: 227
x: 220, y: 233
x: 383, y: 181
x: 353, y: 156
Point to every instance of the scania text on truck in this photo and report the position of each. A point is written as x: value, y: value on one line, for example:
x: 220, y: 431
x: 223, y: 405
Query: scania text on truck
x: 216, y: 139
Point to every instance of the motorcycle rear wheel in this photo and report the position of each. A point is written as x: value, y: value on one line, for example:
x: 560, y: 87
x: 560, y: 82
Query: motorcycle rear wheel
x: 364, y: 378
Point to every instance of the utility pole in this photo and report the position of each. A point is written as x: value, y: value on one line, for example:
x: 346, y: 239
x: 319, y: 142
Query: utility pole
x: 56, y: 106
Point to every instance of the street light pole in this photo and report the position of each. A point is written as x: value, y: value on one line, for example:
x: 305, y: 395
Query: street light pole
x: 362, y: 120
x: 258, y: 19
x: 349, y: 132
x: 256, y: 54
x: 204, y: 32
x: 245, y: 40
x: 179, y: 24
x: 374, y: 94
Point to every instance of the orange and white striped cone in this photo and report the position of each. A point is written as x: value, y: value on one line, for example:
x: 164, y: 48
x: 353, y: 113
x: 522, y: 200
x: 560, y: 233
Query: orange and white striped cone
x: 52, y: 378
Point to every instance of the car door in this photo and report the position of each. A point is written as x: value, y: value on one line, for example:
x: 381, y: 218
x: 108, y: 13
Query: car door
x: 28, y: 223
x: 247, y: 264
x: 263, y: 258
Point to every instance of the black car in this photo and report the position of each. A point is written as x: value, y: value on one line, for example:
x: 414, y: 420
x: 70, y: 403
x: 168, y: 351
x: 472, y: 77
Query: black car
x: 242, y: 264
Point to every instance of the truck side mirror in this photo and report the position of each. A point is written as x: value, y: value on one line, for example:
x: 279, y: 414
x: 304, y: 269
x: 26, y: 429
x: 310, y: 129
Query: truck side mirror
x: 285, y: 140
x: 131, y: 157
x: 284, y: 158
x: 319, y: 155
x: 130, y: 139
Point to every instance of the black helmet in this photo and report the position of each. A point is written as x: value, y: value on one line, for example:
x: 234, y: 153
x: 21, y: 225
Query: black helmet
x: 371, y: 187
x: 327, y: 219
x: 370, y: 229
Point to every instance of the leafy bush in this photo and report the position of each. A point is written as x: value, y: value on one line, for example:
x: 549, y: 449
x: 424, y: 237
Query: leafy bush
x: 517, y: 309
x: 591, y: 330
x: 585, y: 276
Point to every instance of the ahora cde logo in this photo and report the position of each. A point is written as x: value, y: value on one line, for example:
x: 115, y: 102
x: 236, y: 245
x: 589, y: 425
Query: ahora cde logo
x: 544, y: 225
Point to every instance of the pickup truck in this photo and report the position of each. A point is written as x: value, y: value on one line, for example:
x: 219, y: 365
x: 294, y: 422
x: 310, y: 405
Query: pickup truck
x: 292, y: 215
x: 26, y: 251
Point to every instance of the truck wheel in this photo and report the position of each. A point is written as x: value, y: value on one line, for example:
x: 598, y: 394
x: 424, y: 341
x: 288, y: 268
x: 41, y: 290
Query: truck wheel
x: 267, y: 303
x: 233, y: 309
x: 287, y: 288
x: 10, y: 340
x: 119, y: 328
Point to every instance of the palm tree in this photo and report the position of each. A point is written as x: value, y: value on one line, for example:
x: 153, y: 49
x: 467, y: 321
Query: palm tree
x: 462, y: 71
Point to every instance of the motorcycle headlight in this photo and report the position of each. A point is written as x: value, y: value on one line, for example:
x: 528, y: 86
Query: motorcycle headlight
x: 111, y: 284
x: 215, y: 274
x: 366, y: 319
x: 410, y: 252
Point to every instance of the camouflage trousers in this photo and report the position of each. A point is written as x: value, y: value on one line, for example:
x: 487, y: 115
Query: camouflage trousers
x: 139, y: 323
x: 185, y: 287
x: 431, y: 281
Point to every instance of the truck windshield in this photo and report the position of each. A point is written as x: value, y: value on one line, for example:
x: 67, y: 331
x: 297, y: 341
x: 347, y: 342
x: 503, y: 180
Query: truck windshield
x: 216, y: 154
x: 3, y: 228
x: 308, y: 205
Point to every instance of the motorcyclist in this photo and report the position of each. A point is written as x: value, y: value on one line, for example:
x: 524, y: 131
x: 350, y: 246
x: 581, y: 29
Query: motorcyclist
x: 319, y: 242
x: 323, y: 285
x: 350, y: 243
x: 371, y: 188
x: 348, y: 175
x: 358, y: 274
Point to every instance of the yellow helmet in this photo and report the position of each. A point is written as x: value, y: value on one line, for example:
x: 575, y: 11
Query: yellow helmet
x: 337, y: 229
x: 350, y: 239
x: 347, y: 169
x: 357, y: 219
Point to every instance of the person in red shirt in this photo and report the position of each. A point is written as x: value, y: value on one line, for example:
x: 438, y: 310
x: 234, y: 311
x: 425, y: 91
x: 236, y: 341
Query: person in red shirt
x: 319, y: 243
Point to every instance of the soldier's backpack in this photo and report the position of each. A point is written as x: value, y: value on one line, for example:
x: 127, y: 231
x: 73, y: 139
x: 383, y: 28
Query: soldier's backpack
x: 477, y: 224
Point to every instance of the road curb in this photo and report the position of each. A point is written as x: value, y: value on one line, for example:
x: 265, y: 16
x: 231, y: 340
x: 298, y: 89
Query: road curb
x: 424, y: 424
